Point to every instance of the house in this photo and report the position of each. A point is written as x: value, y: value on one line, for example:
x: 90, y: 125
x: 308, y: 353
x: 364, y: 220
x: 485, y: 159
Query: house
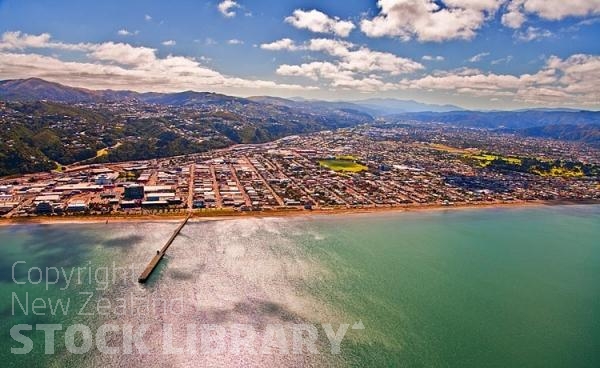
x: 154, y: 204
x: 77, y: 206
x: 106, y: 179
x: 50, y: 198
x: 159, y: 196
x: 83, y: 187
x: 158, y: 188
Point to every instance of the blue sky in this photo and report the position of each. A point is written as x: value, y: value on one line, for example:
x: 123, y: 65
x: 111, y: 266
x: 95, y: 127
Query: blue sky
x: 475, y: 53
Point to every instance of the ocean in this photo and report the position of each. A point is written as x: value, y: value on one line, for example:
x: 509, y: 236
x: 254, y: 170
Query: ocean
x: 496, y: 287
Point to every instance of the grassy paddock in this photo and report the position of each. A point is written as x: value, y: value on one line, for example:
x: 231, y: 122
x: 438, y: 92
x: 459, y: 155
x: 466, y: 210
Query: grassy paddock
x: 343, y: 165
x: 486, y: 159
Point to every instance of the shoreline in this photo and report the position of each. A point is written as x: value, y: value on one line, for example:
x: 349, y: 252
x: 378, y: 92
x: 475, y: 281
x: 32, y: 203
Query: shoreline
x: 216, y: 215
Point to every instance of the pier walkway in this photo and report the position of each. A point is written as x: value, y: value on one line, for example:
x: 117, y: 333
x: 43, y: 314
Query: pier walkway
x: 161, y: 253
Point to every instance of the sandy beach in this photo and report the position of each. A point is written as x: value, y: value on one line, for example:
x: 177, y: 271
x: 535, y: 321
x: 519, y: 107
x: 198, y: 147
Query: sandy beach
x: 214, y: 215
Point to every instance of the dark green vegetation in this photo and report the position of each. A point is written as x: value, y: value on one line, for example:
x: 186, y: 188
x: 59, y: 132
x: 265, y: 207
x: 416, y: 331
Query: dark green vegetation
x: 546, y: 168
x: 151, y: 138
x: 42, y: 133
x: 558, y: 168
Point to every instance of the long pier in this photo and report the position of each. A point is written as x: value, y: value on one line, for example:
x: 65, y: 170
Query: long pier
x: 161, y: 253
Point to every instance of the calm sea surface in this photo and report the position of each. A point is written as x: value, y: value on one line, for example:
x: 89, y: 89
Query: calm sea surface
x: 462, y: 288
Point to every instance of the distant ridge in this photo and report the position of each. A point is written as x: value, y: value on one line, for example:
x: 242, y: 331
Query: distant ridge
x: 312, y: 104
x: 586, y: 133
x: 503, y: 119
x: 389, y: 106
x: 395, y: 106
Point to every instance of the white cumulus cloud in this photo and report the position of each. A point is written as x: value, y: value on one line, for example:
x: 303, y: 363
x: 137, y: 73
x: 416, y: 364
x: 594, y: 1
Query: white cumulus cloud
x: 442, y: 20
x: 283, y: 44
x: 351, y: 56
x: 227, y: 7
x: 561, y: 82
x: 353, y: 67
x: 319, y: 22
x: 426, y: 20
x: 20, y: 41
x: 517, y: 10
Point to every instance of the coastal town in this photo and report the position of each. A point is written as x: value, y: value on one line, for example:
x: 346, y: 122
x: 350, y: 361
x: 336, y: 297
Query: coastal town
x: 284, y: 184
x: 364, y: 167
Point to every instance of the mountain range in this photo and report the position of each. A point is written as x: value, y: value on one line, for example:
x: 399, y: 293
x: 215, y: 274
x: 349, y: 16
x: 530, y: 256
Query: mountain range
x: 36, y: 89
x: 266, y: 117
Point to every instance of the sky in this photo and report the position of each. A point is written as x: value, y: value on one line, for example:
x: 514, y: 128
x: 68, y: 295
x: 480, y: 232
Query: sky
x: 478, y: 54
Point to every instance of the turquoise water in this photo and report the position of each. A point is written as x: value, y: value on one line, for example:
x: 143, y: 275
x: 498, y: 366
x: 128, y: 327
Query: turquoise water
x: 463, y: 288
